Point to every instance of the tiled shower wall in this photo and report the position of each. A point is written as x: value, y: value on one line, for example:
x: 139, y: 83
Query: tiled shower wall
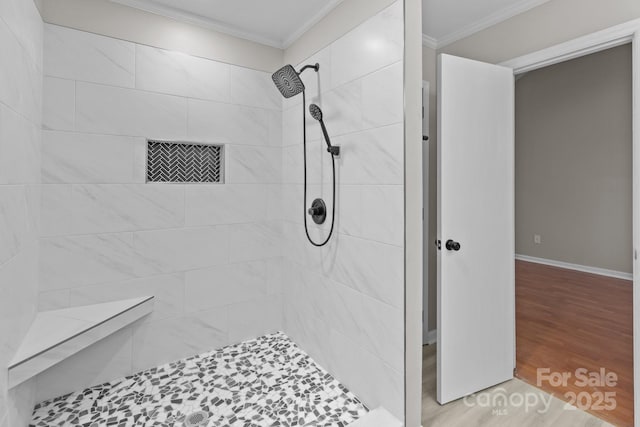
x: 226, y: 262
x: 344, y: 302
x: 209, y: 253
x: 20, y: 140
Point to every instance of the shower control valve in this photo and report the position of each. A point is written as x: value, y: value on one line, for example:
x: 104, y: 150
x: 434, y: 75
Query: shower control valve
x: 318, y: 211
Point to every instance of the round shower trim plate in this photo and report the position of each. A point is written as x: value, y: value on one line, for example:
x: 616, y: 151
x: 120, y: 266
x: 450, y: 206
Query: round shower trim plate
x: 318, y: 211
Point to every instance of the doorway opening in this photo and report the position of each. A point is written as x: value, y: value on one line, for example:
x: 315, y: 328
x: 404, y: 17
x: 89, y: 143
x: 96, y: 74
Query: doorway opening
x: 573, y: 222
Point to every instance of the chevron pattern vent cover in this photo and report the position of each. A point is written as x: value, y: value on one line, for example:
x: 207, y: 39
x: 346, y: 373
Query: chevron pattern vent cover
x: 184, y: 162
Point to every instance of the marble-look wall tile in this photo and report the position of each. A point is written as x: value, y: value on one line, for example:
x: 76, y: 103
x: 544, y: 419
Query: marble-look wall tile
x: 383, y: 214
x: 98, y: 208
x: 129, y: 112
x: 296, y: 248
x: 274, y: 202
x: 111, y: 208
x: 373, y: 268
x: 254, y: 88
x: 24, y: 21
x: 292, y: 164
x: 374, y: 212
x: 53, y: 300
x: 275, y: 276
x: 225, y: 285
x: 56, y: 214
x: 310, y: 333
x: 175, y: 73
x: 160, y: 341
x: 59, y: 104
x: 376, y: 326
x: 318, y: 163
x: 78, y: 55
x: 292, y: 208
x: 20, y: 154
x: 236, y: 124
x: 275, y: 128
x: 352, y: 365
x: 254, y: 241
x: 15, y: 229
x: 320, y: 82
x: 253, y: 165
x: 225, y: 204
x: 374, y: 156
x: 180, y: 249
x: 33, y: 194
x: 255, y: 318
x: 343, y: 110
x: 20, y: 78
x: 372, y: 45
x: 103, y: 361
x: 18, y: 278
x: 73, y: 261
x: 292, y: 126
x: 20, y: 141
x: 383, y: 97
x: 21, y: 402
x: 314, y: 293
x: 168, y: 291
x: 79, y: 158
x: 350, y: 211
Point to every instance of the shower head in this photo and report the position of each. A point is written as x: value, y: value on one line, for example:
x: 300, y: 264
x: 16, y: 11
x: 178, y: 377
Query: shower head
x: 315, y: 112
x: 288, y: 80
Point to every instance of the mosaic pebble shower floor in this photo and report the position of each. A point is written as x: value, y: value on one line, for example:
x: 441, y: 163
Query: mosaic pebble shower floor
x: 268, y: 381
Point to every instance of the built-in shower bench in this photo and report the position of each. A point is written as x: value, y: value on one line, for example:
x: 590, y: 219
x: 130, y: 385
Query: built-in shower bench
x: 57, y: 334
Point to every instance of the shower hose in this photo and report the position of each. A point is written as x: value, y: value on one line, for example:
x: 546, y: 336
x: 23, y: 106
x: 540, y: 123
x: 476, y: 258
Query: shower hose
x: 333, y: 167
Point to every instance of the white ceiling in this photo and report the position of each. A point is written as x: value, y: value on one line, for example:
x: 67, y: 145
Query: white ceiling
x: 276, y: 23
x: 279, y: 23
x: 447, y: 21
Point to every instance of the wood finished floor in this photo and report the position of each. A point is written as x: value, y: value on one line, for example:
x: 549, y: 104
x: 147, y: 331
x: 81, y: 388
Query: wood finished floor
x: 459, y: 414
x: 567, y: 320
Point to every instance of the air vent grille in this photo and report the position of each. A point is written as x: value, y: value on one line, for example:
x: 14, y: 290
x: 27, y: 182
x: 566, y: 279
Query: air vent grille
x: 184, y: 162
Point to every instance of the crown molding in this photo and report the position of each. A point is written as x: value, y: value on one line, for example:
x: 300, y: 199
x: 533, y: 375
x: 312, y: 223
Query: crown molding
x: 331, y: 4
x: 429, y: 42
x: 489, y: 21
x: 481, y: 24
x: 581, y: 46
x: 212, y: 24
x: 198, y: 20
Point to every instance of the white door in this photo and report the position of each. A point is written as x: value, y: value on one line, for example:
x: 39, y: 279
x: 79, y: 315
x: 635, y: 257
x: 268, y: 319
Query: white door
x: 476, y: 281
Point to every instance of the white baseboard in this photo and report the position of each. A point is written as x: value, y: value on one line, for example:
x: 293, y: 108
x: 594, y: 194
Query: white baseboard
x: 577, y: 267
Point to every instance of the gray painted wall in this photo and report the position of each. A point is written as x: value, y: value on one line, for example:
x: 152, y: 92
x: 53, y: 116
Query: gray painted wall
x: 573, y: 161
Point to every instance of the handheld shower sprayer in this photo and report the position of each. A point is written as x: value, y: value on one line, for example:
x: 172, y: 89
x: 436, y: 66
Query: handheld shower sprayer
x: 316, y: 113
